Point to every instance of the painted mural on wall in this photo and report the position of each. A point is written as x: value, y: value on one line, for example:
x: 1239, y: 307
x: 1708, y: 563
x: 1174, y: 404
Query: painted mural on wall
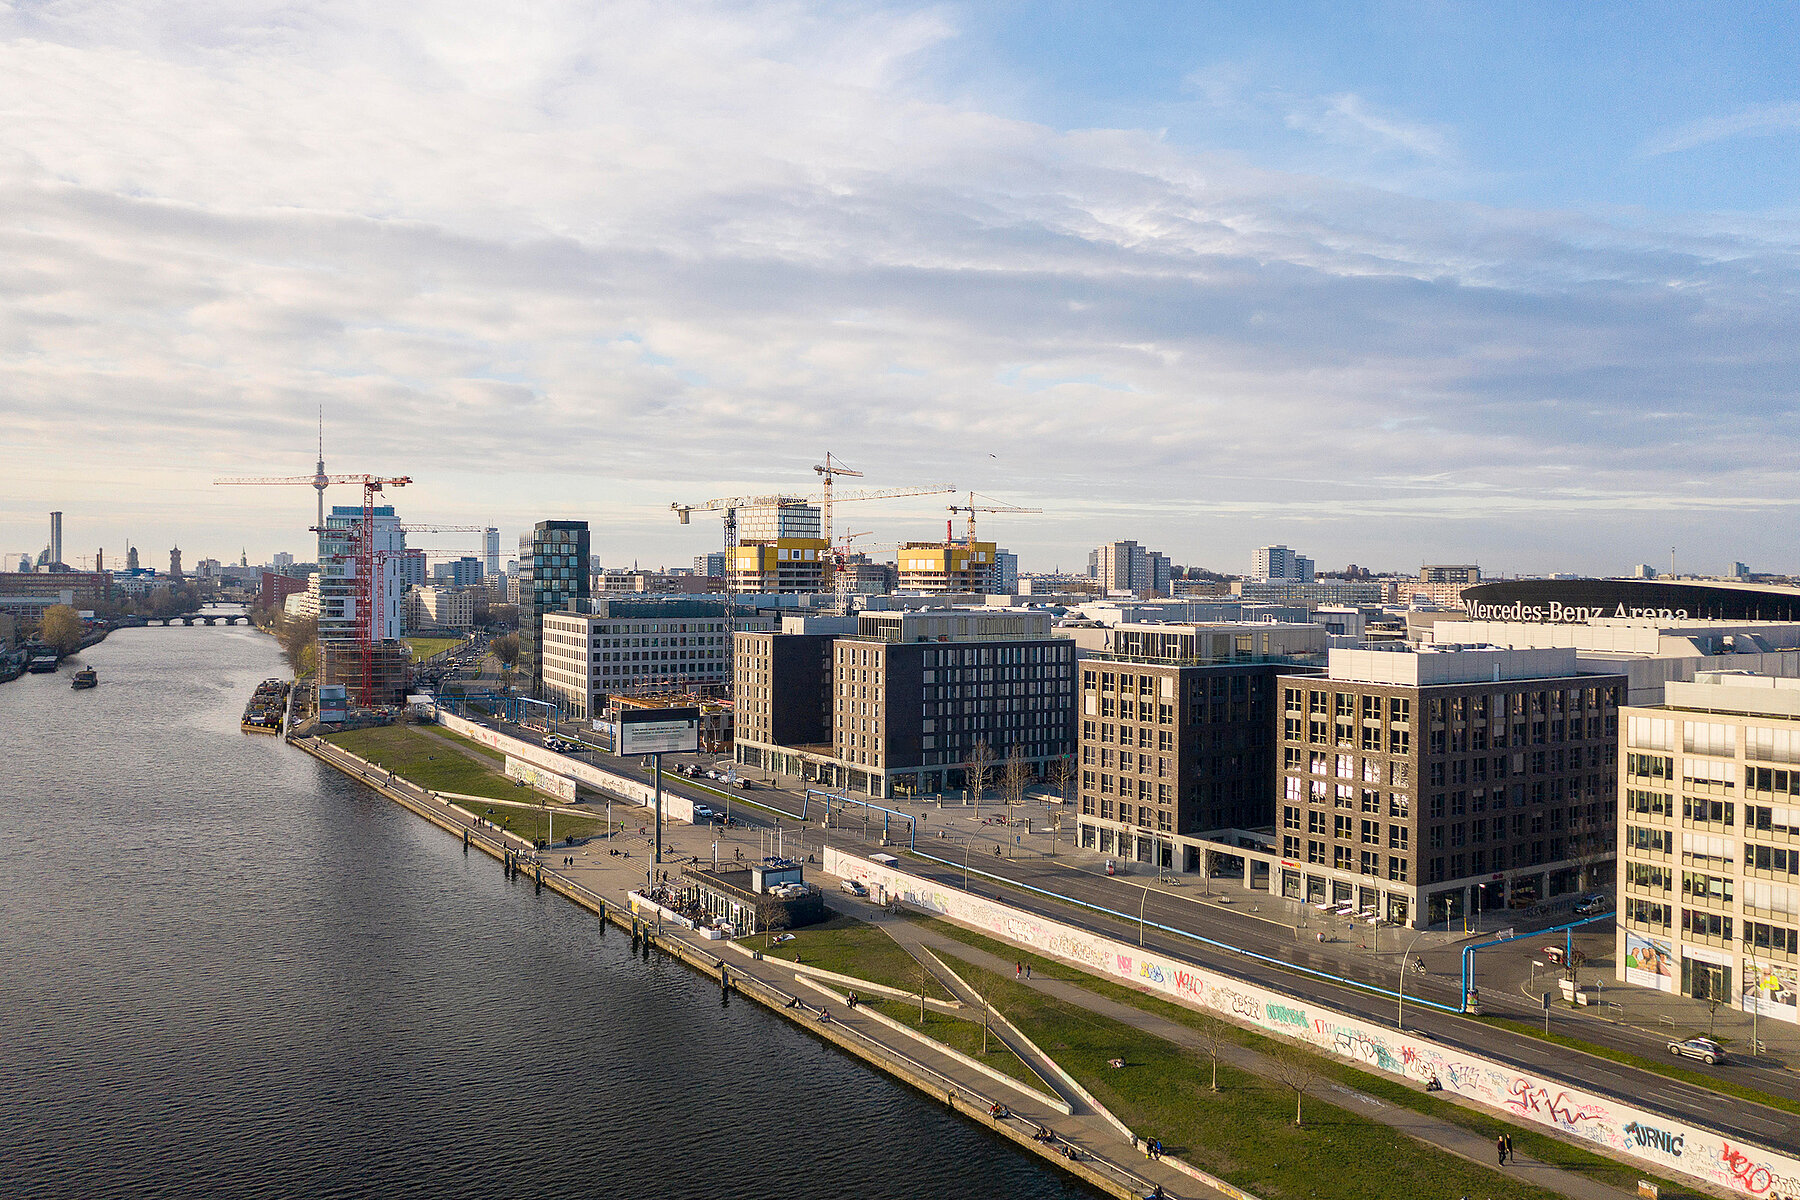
x: 1670, y: 1146
x: 594, y: 777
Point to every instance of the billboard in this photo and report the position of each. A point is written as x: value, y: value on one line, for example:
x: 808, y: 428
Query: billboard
x: 1647, y: 962
x: 658, y: 730
x: 333, y: 698
x: 547, y: 782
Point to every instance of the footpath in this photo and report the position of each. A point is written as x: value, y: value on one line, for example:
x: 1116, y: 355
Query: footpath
x: 601, y: 882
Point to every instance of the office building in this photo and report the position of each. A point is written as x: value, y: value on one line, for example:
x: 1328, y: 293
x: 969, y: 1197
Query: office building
x: 1424, y: 786
x: 1450, y: 573
x: 274, y: 589
x: 1709, y: 843
x: 490, y: 551
x: 410, y: 567
x: 439, y: 608
x: 1003, y: 576
x: 638, y: 647
x: 859, y: 576
x: 1278, y: 562
x: 339, y: 543
x: 553, y: 577
x: 56, y: 543
x: 910, y: 696
x: 1128, y: 567
x: 1177, y: 733
x: 941, y: 567
x: 281, y: 561
x: 711, y: 565
x: 1311, y: 594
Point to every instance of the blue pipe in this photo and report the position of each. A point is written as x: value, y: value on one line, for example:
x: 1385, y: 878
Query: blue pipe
x: 1568, y: 930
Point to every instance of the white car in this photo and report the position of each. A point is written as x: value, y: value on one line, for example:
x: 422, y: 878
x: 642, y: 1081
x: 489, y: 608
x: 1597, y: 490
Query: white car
x: 703, y: 814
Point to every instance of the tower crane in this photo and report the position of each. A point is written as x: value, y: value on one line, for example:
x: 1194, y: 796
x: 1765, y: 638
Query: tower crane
x: 728, y: 505
x: 826, y: 471
x: 367, y: 586
x: 971, y: 508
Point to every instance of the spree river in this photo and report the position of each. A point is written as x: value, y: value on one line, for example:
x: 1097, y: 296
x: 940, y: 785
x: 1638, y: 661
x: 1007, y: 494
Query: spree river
x: 225, y: 970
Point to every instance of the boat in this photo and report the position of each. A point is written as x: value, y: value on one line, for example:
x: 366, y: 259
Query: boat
x: 267, y: 707
x: 87, y: 677
x: 42, y: 664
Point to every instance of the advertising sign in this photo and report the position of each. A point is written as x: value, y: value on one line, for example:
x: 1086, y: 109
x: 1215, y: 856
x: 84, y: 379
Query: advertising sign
x: 658, y: 730
x: 1769, y: 989
x: 1648, y: 962
x: 333, y: 699
x: 544, y: 781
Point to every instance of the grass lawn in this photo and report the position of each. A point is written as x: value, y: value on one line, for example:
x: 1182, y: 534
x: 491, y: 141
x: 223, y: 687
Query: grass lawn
x: 439, y: 731
x: 857, y: 948
x: 536, y: 824
x: 962, y: 1035
x: 1529, y: 1138
x: 1244, y: 1132
x: 424, y: 647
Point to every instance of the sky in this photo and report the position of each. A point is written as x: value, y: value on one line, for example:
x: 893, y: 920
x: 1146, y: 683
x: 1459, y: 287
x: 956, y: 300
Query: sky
x: 1387, y: 283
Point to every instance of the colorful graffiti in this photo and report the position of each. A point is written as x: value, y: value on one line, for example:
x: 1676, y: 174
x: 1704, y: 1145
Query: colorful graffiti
x: 1612, y: 1123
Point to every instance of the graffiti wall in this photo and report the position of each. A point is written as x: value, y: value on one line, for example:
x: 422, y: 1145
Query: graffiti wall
x: 547, y: 782
x: 1668, y: 1146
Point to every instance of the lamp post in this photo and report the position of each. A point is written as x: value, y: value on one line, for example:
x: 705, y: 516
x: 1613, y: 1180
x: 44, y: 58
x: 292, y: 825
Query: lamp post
x: 1400, y: 1016
x: 1142, y: 905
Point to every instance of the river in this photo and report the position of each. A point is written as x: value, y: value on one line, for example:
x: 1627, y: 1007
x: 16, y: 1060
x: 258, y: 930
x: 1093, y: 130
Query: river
x: 226, y: 970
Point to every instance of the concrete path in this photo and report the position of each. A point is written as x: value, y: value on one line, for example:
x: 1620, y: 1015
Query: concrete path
x: 1478, y: 1148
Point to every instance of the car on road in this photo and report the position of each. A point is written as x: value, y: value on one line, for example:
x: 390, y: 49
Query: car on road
x: 703, y: 814
x: 1592, y: 903
x: 1704, y: 1049
x: 854, y: 888
x: 743, y: 785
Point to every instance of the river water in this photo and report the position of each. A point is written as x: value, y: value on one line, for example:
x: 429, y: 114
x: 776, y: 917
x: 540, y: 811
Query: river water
x: 225, y: 970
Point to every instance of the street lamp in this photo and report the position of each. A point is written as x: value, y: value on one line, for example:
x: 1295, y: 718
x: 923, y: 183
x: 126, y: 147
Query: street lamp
x: 1400, y: 1016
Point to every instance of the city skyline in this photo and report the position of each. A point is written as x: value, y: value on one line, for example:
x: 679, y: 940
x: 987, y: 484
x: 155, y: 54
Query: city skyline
x: 1386, y: 285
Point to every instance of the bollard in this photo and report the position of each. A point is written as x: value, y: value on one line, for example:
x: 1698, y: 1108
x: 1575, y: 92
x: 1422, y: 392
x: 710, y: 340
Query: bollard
x: 465, y: 842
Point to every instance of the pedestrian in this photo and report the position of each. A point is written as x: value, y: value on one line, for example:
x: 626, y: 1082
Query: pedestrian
x: 1018, y: 970
x: 1509, y: 1149
x: 1500, y: 1148
x: 1028, y: 970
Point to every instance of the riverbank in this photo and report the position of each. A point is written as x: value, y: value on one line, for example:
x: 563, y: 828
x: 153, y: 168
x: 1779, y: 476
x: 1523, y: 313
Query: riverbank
x: 1108, y: 1163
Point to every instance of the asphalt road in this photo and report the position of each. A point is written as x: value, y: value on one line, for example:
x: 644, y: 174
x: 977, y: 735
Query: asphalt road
x: 1727, y: 1114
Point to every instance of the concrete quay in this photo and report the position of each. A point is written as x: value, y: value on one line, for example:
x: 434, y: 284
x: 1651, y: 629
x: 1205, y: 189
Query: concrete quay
x: 603, y: 884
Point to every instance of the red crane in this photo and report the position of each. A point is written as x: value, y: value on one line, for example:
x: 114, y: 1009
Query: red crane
x: 366, y: 583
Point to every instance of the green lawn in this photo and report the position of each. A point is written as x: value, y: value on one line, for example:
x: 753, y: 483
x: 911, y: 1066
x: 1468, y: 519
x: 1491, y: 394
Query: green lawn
x: 1245, y: 1132
x: 425, y: 760
x: 852, y: 947
x: 424, y: 647
x: 1530, y: 1139
x: 960, y: 1034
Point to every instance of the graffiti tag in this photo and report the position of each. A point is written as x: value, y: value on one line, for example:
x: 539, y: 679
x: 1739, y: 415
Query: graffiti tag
x: 1754, y: 1177
x: 1656, y: 1139
x: 1525, y: 1098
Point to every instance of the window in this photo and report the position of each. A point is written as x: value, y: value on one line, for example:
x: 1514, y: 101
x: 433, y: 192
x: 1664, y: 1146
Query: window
x: 1771, y: 937
x: 1342, y: 858
x: 1397, y: 869
x: 1777, y: 860
x: 1315, y: 853
x: 1290, y: 818
x: 1343, y: 827
x: 1772, y: 819
x: 1397, y: 836
x: 1371, y: 863
x: 1650, y: 766
x: 1706, y: 887
x: 1698, y: 808
x: 1371, y: 833
x: 1701, y: 924
x: 1646, y: 912
x: 1315, y: 824
x: 1399, y: 804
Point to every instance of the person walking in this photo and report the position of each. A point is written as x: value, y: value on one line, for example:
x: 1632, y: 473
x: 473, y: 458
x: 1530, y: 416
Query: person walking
x: 1028, y: 970
x: 1509, y: 1149
x: 1018, y: 970
x: 1500, y: 1148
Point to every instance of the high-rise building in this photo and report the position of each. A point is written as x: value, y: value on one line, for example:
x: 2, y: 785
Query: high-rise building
x: 1448, y: 573
x: 339, y: 545
x: 175, y: 563
x: 1278, y: 562
x: 1709, y: 843
x: 638, y: 647
x: 786, y: 566
x: 553, y: 571
x: 131, y: 558
x: 1003, y: 576
x: 411, y: 567
x: 1128, y: 567
x: 280, y: 561
x: 56, y: 549
x: 712, y: 564
x: 1423, y: 786
x: 462, y: 572
x: 490, y: 547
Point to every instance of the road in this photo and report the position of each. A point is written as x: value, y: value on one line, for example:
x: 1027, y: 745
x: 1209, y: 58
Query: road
x: 1246, y: 932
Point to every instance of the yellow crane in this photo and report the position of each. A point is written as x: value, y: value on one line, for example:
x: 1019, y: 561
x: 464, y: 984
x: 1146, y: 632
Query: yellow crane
x: 728, y: 506
x: 826, y: 471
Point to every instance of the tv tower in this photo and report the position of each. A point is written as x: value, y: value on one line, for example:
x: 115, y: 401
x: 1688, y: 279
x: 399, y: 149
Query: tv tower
x: 320, y: 482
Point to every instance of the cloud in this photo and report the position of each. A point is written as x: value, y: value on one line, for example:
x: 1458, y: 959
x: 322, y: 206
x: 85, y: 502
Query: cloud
x: 1759, y: 120
x: 622, y: 256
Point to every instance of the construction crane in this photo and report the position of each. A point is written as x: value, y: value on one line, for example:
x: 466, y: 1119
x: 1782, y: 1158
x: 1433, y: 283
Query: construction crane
x: 826, y: 471
x: 366, y: 584
x: 729, y: 505
x: 993, y: 506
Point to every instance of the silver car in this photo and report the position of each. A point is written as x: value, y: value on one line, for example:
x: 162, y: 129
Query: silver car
x: 1704, y: 1049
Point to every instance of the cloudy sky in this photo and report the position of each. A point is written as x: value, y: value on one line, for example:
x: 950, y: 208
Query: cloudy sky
x: 1399, y: 283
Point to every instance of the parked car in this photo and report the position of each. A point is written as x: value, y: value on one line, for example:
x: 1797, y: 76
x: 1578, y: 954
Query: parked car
x: 703, y: 814
x: 1704, y: 1049
x: 854, y: 888
x: 743, y: 785
x: 1590, y: 904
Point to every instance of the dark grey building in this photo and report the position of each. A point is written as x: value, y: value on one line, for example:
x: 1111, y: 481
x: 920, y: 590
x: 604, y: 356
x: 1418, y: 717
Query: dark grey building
x: 553, y: 570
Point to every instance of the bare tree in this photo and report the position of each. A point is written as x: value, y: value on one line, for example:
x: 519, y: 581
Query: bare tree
x: 1015, y: 775
x: 1212, y: 1040
x: 978, y: 769
x: 1296, y: 1069
x: 1062, y: 774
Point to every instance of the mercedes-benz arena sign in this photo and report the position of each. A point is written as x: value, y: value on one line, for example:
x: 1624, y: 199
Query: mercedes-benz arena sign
x: 1564, y: 601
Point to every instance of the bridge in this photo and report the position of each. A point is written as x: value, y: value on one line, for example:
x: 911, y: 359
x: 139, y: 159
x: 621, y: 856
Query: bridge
x: 211, y: 614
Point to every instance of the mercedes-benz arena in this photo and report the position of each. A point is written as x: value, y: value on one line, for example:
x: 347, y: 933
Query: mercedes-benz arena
x: 1571, y: 601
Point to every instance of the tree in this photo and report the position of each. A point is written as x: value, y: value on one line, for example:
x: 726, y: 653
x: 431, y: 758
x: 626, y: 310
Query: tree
x: 1062, y: 774
x: 298, y: 636
x: 1015, y: 776
x: 1297, y: 1070
x: 978, y: 768
x: 1212, y: 1040
x: 506, y: 649
x: 60, y: 628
